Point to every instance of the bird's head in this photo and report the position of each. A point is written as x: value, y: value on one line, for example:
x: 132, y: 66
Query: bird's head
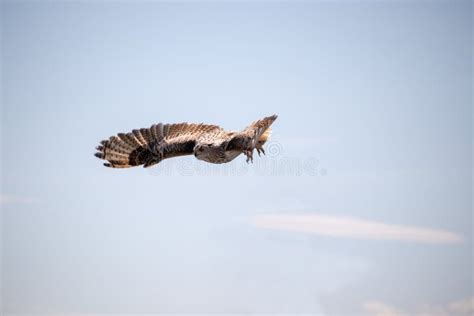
x: 206, y: 151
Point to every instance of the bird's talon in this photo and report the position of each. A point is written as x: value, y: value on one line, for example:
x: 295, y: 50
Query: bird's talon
x: 249, y: 154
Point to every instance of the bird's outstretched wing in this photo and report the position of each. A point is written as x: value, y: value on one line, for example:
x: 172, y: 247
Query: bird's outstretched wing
x: 253, y: 136
x: 148, y: 146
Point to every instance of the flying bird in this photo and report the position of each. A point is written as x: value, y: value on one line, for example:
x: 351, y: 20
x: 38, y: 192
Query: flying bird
x: 210, y: 143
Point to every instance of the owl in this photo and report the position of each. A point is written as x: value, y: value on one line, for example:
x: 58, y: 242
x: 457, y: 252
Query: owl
x: 210, y: 143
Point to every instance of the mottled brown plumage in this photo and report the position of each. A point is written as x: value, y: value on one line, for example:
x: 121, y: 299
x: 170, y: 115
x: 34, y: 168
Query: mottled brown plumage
x: 211, y: 143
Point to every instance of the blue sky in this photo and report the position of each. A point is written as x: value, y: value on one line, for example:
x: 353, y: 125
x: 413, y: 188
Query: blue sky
x: 362, y: 207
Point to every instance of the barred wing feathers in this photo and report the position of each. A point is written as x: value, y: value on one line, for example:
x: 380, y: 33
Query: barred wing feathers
x: 148, y: 146
x: 253, y: 136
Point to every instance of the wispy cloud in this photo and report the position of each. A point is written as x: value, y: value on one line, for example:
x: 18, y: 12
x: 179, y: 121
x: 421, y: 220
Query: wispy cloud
x: 8, y: 199
x: 377, y: 308
x: 350, y: 227
x: 462, y: 307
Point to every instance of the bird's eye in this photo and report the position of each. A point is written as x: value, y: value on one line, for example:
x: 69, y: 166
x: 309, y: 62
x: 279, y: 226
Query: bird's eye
x: 201, y: 149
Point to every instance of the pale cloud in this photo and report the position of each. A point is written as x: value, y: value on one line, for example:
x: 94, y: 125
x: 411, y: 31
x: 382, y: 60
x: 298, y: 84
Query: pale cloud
x: 376, y: 308
x: 8, y: 199
x: 464, y: 307
x: 350, y: 227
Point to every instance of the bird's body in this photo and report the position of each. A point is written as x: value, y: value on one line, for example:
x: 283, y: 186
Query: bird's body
x: 210, y: 143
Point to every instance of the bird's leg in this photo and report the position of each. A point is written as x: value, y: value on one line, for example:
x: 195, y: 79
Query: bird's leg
x: 248, y: 151
x: 259, y: 147
x: 249, y: 154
